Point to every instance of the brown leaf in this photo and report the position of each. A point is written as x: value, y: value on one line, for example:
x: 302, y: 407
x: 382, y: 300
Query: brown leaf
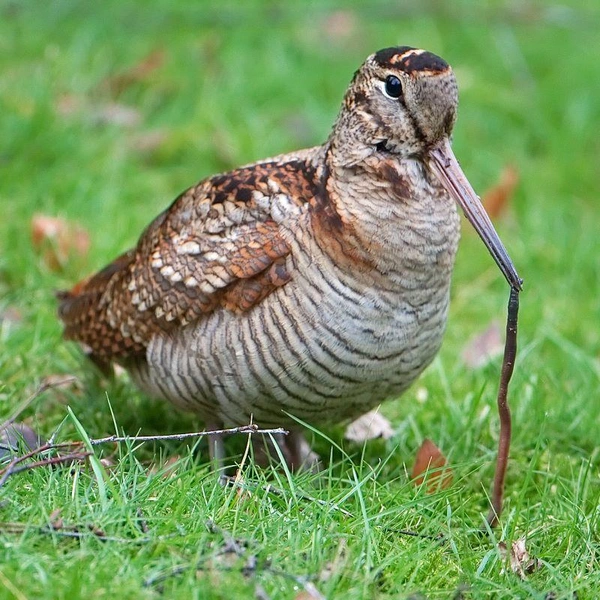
x: 99, y: 113
x: 369, y: 426
x: 168, y: 468
x: 97, y: 531
x: 56, y: 520
x: 497, y: 198
x: 108, y: 462
x: 68, y: 104
x: 57, y: 240
x: 429, y: 464
x: 115, y: 84
x: 483, y: 347
x: 310, y: 592
x: 149, y: 141
x: 521, y: 562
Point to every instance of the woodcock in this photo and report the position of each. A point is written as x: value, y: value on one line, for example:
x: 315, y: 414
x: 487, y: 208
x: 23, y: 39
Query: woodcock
x: 314, y: 284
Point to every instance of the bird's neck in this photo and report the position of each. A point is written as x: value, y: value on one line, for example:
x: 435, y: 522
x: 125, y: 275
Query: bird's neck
x: 387, y: 214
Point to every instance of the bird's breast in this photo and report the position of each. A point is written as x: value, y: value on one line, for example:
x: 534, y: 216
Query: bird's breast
x: 340, y: 337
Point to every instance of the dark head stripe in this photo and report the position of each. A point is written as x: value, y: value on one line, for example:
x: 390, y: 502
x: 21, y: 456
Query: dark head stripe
x: 410, y: 60
x: 388, y: 56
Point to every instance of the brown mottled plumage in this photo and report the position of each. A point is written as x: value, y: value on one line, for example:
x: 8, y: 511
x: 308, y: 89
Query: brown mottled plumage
x: 315, y: 283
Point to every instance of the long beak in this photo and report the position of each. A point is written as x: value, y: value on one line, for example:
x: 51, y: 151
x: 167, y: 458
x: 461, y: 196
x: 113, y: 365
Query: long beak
x: 444, y: 164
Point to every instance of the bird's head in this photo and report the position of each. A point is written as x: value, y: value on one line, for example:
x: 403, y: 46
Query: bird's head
x: 402, y: 100
x: 402, y: 104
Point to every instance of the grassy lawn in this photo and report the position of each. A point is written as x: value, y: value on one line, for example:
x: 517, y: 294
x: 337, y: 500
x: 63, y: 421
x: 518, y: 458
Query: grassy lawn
x: 108, y: 110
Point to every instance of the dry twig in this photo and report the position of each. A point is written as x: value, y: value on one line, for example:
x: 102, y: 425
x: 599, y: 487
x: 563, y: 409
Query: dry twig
x: 73, y: 531
x: 78, y: 455
x: 15, y: 465
x: 252, y: 429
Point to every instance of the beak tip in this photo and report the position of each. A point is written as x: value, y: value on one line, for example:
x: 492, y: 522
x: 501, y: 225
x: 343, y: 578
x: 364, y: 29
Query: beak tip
x: 446, y: 167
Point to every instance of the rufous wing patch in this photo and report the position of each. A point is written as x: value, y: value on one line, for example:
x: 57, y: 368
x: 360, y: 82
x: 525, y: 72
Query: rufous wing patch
x: 218, y: 245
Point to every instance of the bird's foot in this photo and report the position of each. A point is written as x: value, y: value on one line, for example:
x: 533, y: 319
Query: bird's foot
x: 294, y: 449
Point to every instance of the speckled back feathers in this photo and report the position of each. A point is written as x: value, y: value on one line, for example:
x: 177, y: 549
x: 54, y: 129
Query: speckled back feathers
x: 217, y: 245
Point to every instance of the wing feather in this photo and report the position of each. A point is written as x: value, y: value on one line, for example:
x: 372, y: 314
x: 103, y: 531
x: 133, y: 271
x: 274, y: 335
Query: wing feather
x: 220, y: 244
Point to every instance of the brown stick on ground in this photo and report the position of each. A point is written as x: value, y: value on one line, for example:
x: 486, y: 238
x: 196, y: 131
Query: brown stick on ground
x: 508, y: 363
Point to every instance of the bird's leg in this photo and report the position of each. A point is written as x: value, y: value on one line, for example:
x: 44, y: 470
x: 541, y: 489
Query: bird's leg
x: 265, y: 452
x: 291, y: 448
x: 301, y: 455
x: 216, y: 447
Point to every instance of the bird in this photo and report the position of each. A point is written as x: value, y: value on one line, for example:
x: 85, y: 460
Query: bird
x: 305, y: 288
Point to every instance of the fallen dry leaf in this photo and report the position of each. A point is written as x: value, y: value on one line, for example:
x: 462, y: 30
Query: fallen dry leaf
x: 57, y: 240
x: 97, y: 531
x: 497, y: 198
x: 108, y: 462
x: 521, y: 562
x: 429, y: 464
x: 310, y: 592
x: 369, y: 426
x: 68, y: 104
x: 103, y: 113
x: 56, y: 520
x: 167, y: 469
x: 483, y: 347
x: 149, y: 141
x: 115, y: 84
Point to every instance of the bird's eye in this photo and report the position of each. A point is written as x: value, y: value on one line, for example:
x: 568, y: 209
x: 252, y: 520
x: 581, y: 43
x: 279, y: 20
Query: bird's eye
x: 393, y: 87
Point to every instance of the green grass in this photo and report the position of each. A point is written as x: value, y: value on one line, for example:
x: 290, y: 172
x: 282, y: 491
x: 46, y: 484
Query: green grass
x: 238, y: 83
